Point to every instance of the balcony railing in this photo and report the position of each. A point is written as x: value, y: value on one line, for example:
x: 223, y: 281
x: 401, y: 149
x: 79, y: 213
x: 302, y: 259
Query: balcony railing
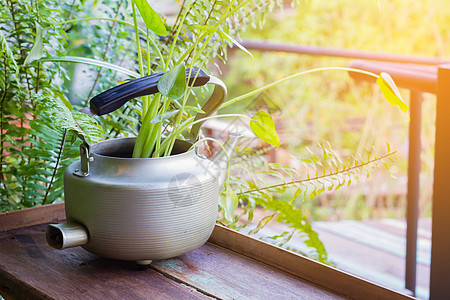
x: 419, y: 75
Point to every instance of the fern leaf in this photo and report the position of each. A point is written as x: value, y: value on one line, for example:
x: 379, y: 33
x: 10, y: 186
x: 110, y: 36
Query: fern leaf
x: 62, y: 118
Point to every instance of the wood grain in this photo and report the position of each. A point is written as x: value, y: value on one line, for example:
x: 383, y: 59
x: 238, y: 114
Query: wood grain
x: 227, y: 275
x: 32, y: 216
x: 302, y: 267
x: 30, y: 269
x: 235, y: 267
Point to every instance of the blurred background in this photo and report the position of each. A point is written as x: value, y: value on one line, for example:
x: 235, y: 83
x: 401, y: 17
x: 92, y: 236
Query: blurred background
x: 330, y: 106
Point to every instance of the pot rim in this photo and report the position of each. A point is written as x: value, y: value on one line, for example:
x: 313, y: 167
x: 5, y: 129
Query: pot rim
x: 97, y: 148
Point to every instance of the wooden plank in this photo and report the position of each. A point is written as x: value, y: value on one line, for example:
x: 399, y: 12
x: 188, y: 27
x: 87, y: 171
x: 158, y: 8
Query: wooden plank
x: 32, y: 216
x: 28, y: 263
x: 297, y: 265
x: 366, y: 233
x: 375, y: 263
x: 228, y: 275
x: 361, y: 251
x: 30, y: 269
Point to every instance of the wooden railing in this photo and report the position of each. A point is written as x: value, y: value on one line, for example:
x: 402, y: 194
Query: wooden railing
x: 419, y: 75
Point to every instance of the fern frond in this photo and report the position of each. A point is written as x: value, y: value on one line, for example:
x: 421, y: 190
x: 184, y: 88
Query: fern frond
x: 344, y: 172
x: 64, y: 119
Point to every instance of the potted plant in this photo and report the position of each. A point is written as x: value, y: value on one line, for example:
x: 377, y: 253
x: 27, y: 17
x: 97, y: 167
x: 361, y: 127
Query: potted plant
x: 158, y: 172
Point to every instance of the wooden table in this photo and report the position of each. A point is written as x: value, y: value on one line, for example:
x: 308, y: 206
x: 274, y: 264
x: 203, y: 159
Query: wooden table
x: 229, y: 266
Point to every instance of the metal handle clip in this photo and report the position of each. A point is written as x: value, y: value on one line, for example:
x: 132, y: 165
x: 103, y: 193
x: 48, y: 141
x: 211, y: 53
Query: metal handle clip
x: 84, y: 159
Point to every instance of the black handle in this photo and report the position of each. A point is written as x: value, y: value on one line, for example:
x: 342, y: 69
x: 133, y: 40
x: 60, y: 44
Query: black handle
x: 114, y: 98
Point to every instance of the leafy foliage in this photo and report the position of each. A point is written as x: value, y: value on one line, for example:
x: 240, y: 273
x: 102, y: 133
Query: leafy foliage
x: 260, y: 184
x: 39, y: 124
x: 33, y: 152
x: 62, y: 118
x: 201, y: 33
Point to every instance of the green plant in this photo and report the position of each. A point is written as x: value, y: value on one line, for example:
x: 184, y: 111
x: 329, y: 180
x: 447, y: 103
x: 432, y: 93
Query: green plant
x: 194, y: 40
x: 204, y: 39
x: 199, y: 44
x: 33, y: 153
x: 276, y: 187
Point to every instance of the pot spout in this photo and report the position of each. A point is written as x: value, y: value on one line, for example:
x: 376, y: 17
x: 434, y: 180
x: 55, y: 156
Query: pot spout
x: 66, y: 235
x: 221, y: 158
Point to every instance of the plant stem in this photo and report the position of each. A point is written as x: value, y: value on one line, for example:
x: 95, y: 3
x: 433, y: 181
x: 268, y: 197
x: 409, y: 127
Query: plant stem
x: 148, y: 52
x: 177, y: 19
x: 141, y: 31
x: 172, y: 48
x: 205, y: 23
x: 178, y: 23
x: 103, y: 19
x: 19, y: 44
x: 343, y: 171
x: 136, y: 36
x: 1, y: 120
x: 257, y: 91
x: 188, y: 123
x: 179, y: 118
x: 71, y: 10
x: 153, y: 139
x: 169, y: 147
x: 37, y: 11
x: 146, y: 130
x: 210, y: 12
x: 38, y: 70
x: 229, y: 12
x: 55, y: 169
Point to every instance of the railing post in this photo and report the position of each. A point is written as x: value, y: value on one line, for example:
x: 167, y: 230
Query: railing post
x: 440, y: 246
x: 412, y: 204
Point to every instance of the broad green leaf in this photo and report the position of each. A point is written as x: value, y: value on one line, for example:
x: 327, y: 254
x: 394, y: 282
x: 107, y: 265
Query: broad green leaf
x: 37, y: 50
x: 231, y: 39
x: 151, y: 18
x: 164, y: 116
x: 229, y: 202
x: 388, y: 147
x: 390, y: 91
x: 173, y: 83
x: 263, y: 127
x: 92, y: 62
